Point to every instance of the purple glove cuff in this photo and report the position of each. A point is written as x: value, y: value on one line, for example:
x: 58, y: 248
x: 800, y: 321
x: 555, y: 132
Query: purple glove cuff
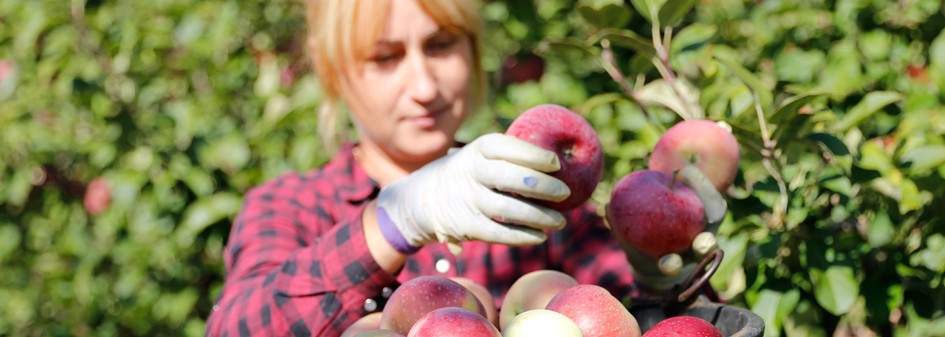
x: 392, y: 234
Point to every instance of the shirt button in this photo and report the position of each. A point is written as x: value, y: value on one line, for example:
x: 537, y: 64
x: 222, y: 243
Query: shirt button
x: 370, y: 305
x: 216, y: 307
x: 386, y: 292
x: 443, y: 266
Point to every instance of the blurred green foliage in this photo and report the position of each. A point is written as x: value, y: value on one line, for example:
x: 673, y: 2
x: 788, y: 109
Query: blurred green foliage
x: 834, y: 228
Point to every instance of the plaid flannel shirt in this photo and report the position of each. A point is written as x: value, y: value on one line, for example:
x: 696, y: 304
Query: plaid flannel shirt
x: 298, y: 265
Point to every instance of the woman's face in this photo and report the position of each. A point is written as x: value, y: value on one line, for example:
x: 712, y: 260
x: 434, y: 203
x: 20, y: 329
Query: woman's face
x: 410, y: 95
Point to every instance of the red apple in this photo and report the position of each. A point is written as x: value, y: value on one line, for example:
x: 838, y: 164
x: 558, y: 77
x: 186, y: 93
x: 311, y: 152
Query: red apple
x: 453, y: 322
x: 595, y: 311
x: 521, y: 69
x: 6, y: 69
x: 369, y: 322
x: 683, y: 326
x: 710, y: 147
x: 423, y: 294
x: 655, y: 213
x: 484, y: 296
x: 555, y: 128
x: 542, y: 322
x: 532, y: 291
x: 97, y: 196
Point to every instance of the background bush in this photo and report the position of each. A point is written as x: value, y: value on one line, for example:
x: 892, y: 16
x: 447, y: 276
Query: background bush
x: 180, y: 106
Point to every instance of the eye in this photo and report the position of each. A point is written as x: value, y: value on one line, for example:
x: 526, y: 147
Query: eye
x: 442, y: 42
x: 385, y: 56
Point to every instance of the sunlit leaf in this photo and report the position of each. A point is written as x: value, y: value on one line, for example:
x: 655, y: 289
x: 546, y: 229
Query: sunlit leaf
x: 759, y: 90
x: 626, y: 39
x: 605, y: 15
x: 881, y: 230
x: 673, y: 11
x: 835, y: 289
x: 662, y: 93
x: 208, y: 210
x: 924, y: 158
x: 870, y: 104
x: 804, y: 321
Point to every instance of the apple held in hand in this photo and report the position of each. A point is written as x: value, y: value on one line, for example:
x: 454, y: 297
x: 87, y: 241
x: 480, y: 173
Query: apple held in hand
x: 595, y: 311
x: 555, y: 128
x: 654, y: 213
x: 532, y: 291
x: 541, y: 322
x: 683, y: 326
x: 703, y: 143
x: 453, y: 322
x: 417, y: 297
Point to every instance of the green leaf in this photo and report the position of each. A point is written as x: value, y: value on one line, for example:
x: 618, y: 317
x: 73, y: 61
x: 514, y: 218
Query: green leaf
x: 565, y: 46
x: 673, y: 11
x: 835, y: 289
x: 660, y: 92
x: 597, y: 100
x: 205, y: 212
x: 762, y: 93
x: 605, y: 15
x: 871, y: 103
x: 647, y: 8
x: 873, y: 157
x: 804, y: 321
x: 773, y: 306
x: 924, y: 158
x: 730, y: 271
x: 626, y: 39
x: 692, y: 37
x: 791, y: 106
x: 910, y: 198
x: 881, y: 230
x: 831, y: 143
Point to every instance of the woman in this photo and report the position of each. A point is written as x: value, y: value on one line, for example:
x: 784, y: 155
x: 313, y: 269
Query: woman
x: 310, y: 254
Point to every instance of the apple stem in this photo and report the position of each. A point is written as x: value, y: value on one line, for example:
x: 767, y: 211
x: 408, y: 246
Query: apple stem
x: 672, y: 180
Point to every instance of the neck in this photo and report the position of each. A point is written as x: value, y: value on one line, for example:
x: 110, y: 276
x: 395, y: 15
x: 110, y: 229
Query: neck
x: 379, y: 165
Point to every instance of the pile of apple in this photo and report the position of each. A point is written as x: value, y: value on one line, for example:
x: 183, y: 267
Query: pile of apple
x: 540, y: 303
x: 652, y: 210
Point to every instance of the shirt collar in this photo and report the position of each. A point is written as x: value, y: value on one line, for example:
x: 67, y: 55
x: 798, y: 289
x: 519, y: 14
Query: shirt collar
x: 355, y: 185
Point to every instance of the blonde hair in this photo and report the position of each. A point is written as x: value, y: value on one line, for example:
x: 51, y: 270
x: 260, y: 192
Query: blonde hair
x: 334, y: 45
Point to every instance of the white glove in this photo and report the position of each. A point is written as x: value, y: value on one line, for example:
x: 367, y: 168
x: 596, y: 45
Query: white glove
x: 456, y: 197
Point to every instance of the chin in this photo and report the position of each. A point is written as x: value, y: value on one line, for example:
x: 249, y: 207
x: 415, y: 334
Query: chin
x: 424, y: 148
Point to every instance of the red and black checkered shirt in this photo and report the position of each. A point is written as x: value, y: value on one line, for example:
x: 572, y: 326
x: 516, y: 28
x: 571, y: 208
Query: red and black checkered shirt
x: 298, y: 264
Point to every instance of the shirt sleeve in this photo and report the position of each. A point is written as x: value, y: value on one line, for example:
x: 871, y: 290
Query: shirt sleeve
x: 290, y: 274
x: 591, y: 254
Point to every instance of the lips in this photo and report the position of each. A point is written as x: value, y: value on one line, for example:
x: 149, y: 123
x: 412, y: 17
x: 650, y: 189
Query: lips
x: 428, y: 119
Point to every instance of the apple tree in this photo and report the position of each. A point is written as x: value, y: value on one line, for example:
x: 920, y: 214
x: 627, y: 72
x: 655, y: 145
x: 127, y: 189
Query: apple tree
x: 834, y: 224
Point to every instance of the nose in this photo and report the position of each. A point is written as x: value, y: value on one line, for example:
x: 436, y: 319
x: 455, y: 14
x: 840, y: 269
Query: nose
x: 421, y: 80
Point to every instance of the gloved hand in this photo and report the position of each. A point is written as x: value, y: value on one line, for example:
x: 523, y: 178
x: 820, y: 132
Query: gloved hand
x: 456, y: 198
x: 662, y: 274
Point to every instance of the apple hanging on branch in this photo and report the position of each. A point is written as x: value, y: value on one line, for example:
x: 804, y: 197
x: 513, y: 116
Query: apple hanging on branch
x: 556, y: 128
x: 673, y: 209
x: 703, y: 143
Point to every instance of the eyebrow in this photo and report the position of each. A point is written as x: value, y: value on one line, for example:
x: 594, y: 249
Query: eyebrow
x: 439, y: 31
